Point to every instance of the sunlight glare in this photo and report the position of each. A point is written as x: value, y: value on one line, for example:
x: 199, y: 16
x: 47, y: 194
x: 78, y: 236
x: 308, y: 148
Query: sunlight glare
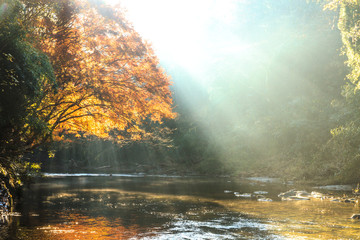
x: 180, y: 30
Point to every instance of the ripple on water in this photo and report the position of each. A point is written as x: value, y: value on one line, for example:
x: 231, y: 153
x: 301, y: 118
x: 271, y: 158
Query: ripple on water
x: 227, y: 227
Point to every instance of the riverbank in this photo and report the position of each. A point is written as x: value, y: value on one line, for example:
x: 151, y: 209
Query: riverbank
x: 4, y: 205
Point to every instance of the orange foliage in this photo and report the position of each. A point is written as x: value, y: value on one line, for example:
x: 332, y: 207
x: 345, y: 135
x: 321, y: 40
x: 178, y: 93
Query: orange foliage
x: 109, y: 83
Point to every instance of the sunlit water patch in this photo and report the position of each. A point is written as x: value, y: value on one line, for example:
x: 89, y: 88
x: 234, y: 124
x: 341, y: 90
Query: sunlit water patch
x: 226, y: 227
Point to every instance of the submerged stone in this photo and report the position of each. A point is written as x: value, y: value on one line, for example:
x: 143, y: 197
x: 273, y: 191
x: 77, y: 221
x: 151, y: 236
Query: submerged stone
x: 288, y: 194
x: 294, y: 195
x: 355, y: 216
x: 260, y: 192
x: 316, y: 194
x: 265, y: 200
x: 303, y: 194
x: 245, y: 195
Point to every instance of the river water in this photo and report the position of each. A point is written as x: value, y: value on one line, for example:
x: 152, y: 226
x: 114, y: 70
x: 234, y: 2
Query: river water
x: 84, y: 206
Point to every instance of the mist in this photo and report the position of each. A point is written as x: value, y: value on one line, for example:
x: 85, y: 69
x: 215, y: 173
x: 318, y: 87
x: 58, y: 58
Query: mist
x: 263, y: 89
x: 257, y: 86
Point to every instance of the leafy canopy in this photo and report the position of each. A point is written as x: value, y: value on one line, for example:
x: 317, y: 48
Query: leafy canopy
x: 109, y: 83
x: 73, y: 67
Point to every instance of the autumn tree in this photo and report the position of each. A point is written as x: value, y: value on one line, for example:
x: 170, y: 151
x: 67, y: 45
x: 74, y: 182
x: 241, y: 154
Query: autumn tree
x: 107, y: 80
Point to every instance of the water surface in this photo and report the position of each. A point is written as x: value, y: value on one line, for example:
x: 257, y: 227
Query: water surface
x: 161, y: 207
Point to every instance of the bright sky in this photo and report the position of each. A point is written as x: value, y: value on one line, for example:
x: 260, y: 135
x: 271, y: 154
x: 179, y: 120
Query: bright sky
x: 187, y: 32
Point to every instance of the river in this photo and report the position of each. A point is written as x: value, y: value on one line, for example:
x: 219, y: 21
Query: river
x: 100, y: 206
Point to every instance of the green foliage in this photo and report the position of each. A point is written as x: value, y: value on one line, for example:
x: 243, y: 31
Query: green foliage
x: 24, y: 71
x: 349, y: 19
x: 339, y: 157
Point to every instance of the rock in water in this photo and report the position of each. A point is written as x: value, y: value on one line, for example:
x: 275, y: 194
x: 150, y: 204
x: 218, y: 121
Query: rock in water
x: 303, y: 194
x: 244, y: 195
x: 355, y: 216
x: 294, y: 195
x: 288, y: 194
x: 295, y: 198
x: 264, y: 199
x: 317, y: 194
x: 261, y: 192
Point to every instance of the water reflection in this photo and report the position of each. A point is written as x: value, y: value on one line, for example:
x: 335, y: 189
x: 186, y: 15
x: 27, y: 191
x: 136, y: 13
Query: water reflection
x: 77, y: 226
x: 99, y: 207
